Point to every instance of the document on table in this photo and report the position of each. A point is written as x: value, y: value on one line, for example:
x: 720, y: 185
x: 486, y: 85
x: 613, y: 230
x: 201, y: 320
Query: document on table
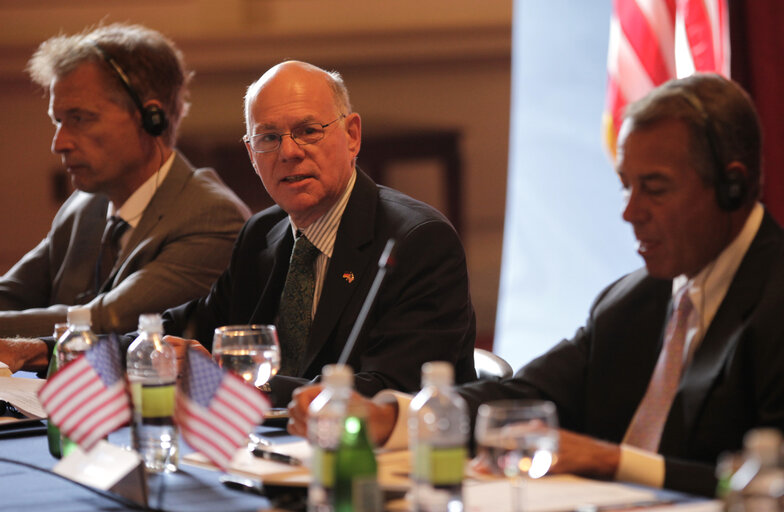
x: 556, y: 493
x: 246, y: 464
x: 22, y: 393
x: 393, y: 467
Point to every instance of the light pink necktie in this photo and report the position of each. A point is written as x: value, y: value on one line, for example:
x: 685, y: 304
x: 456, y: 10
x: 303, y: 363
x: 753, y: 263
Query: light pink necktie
x: 646, y: 427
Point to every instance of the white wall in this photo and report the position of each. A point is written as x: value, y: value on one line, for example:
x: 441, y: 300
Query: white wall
x: 564, y: 239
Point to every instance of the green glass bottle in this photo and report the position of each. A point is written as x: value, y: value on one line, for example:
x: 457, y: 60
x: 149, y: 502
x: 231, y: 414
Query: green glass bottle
x: 52, y: 432
x: 75, y: 342
x: 356, y: 472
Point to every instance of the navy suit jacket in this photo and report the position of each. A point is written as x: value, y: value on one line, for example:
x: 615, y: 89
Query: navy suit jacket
x: 423, y: 310
x: 734, y: 382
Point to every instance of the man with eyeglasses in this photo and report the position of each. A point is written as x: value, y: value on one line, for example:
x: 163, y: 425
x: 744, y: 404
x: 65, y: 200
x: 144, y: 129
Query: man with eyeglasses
x: 303, y: 139
x: 681, y: 358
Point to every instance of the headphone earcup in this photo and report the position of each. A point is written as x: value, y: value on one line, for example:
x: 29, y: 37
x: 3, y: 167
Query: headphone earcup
x: 731, y: 190
x: 154, y: 120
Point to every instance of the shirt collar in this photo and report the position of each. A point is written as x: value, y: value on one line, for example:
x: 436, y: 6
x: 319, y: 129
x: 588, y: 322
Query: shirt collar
x: 708, y: 288
x: 323, y: 231
x: 132, y: 209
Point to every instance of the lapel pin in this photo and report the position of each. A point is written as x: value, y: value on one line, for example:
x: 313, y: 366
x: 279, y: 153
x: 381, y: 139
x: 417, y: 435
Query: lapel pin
x: 349, y: 277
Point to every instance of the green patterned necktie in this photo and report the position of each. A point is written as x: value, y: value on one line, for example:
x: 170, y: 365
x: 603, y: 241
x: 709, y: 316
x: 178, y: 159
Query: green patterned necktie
x: 296, y: 306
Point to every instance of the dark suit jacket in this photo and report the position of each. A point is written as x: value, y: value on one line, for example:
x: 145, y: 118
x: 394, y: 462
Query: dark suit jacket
x: 735, y: 381
x: 180, y: 246
x: 423, y: 310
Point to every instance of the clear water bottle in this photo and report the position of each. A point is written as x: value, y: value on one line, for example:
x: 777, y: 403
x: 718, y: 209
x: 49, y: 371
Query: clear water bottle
x: 438, y: 429
x: 325, y: 425
x: 356, y: 471
x: 75, y: 342
x: 758, y: 485
x: 151, y: 365
x: 52, y: 431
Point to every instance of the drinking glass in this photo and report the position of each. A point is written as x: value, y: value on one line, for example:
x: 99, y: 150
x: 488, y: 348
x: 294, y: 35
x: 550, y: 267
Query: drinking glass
x: 250, y: 351
x: 515, y: 438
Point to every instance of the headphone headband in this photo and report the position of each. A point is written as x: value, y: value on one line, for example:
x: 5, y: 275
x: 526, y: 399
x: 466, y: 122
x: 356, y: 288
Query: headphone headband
x: 730, y: 185
x: 154, y: 119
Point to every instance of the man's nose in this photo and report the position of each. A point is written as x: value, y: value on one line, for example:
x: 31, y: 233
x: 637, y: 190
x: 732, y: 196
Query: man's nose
x: 289, y: 148
x: 633, y: 211
x: 61, y: 141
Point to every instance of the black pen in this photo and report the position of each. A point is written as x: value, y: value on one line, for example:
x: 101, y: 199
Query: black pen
x: 8, y: 409
x: 264, y: 453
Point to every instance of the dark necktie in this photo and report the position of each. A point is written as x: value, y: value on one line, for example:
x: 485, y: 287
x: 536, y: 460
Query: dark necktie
x: 296, y: 306
x: 646, y: 427
x: 110, y: 249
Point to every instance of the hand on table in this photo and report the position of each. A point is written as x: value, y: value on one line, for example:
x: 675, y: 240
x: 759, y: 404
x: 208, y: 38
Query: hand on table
x: 577, y: 455
x: 381, y: 417
x: 23, y: 354
x: 180, y: 346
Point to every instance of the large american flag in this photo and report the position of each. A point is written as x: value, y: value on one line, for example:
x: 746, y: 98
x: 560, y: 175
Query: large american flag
x: 87, y: 398
x: 215, y: 409
x: 652, y: 41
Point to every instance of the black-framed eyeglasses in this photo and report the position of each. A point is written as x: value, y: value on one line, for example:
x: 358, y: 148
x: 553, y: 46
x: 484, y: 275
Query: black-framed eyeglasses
x: 303, y: 134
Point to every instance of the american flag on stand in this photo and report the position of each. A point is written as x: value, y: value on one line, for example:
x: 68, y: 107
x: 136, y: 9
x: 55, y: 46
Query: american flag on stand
x: 87, y: 398
x: 215, y: 409
x: 652, y: 41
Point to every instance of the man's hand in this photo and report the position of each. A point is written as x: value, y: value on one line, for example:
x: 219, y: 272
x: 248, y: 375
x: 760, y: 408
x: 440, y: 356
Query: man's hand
x: 582, y: 455
x: 298, y: 409
x: 381, y: 417
x: 23, y: 354
x: 181, y: 348
x: 577, y: 455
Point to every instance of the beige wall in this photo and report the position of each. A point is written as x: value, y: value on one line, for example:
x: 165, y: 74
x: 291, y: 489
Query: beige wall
x: 433, y: 64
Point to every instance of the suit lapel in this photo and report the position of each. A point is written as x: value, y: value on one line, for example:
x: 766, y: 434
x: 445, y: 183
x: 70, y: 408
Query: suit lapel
x: 87, y: 237
x: 350, y: 266
x: 274, y: 262
x: 157, y: 208
x: 723, y: 334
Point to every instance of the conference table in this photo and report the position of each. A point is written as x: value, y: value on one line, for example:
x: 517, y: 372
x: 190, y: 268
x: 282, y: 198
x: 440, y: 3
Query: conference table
x: 28, y: 483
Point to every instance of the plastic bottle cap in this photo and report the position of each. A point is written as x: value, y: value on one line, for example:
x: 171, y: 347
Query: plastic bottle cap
x: 151, y: 322
x: 338, y: 375
x: 437, y: 372
x: 79, y: 315
x: 764, y: 443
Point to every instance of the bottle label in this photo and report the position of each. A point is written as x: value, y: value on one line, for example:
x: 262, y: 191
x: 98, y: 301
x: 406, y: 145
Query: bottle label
x: 439, y: 465
x: 365, y: 494
x: 153, y: 400
x: 323, y: 471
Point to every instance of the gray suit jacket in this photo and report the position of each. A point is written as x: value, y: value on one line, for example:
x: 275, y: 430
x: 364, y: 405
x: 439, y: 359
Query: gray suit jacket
x: 181, y: 245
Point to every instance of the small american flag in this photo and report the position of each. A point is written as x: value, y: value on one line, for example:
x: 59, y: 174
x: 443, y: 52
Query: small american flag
x: 216, y: 410
x: 87, y: 398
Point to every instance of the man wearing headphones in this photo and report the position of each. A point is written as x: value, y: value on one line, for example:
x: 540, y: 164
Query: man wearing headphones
x: 677, y: 360
x: 144, y: 230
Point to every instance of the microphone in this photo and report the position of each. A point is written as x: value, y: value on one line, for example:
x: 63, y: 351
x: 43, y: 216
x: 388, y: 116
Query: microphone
x: 386, y: 261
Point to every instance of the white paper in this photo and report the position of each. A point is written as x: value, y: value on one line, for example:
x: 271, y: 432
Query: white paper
x: 551, y: 494
x: 244, y: 463
x: 102, y: 467
x: 22, y: 393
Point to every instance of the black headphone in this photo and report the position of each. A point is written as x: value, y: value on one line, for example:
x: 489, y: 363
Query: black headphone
x: 730, y: 186
x: 154, y: 119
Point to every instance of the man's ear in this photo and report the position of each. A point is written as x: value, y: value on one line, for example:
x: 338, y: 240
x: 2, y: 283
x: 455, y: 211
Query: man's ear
x: 250, y: 156
x: 354, y: 131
